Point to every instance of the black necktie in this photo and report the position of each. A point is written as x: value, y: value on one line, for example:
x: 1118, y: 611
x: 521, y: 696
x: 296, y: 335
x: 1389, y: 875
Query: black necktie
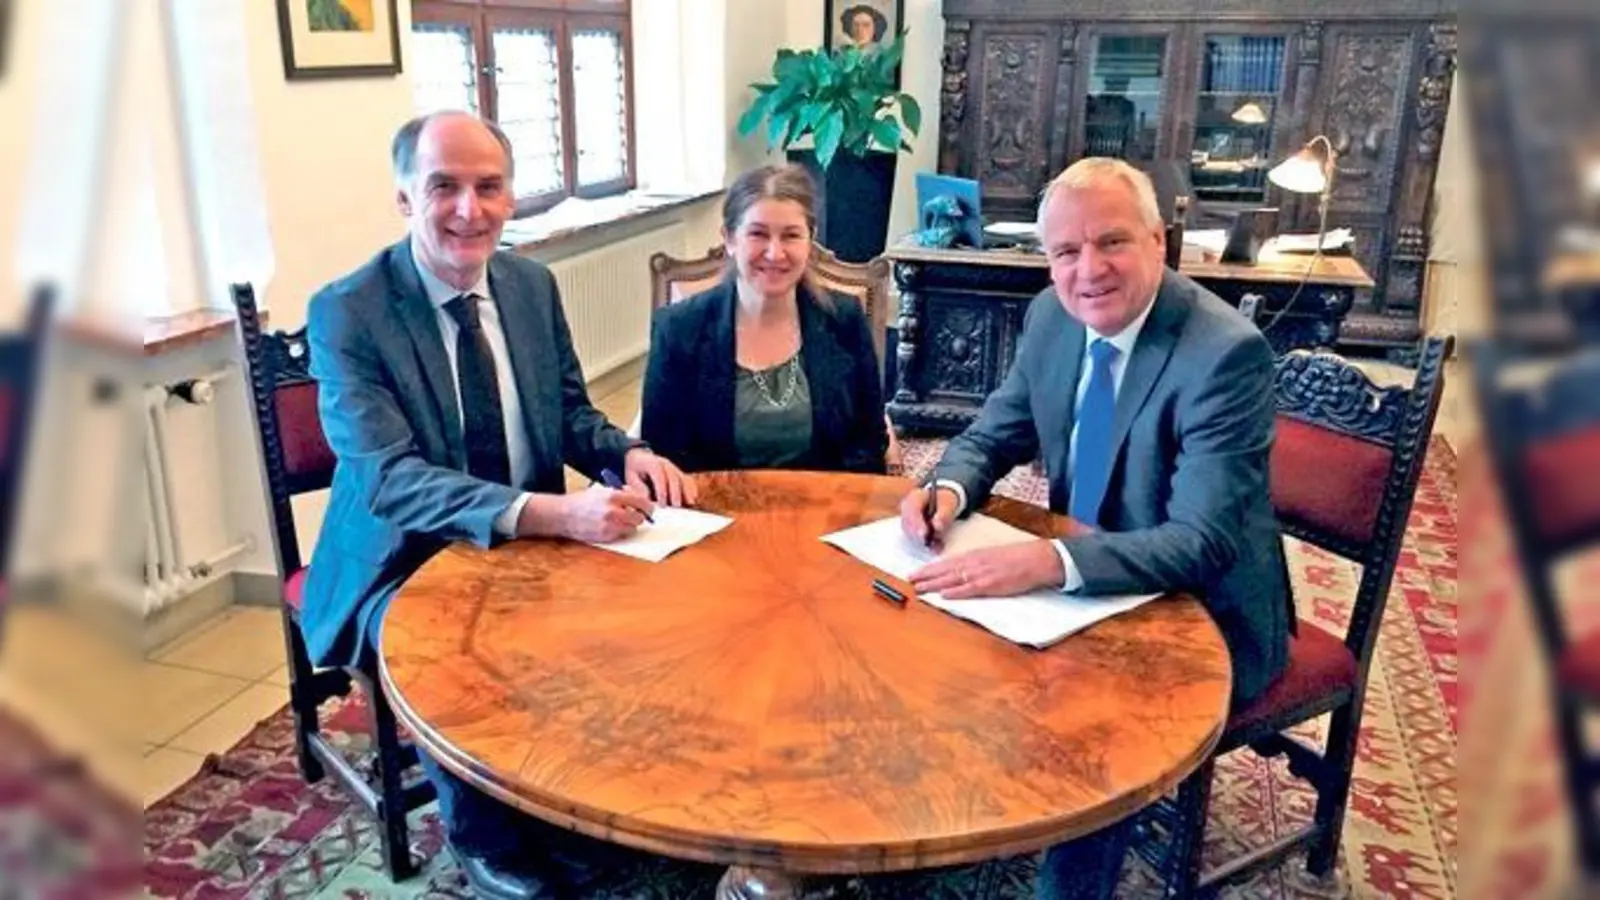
x: 481, y: 415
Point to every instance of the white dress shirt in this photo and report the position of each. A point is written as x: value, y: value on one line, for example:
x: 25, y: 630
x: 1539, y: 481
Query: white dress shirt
x: 1124, y: 341
x: 517, y: 449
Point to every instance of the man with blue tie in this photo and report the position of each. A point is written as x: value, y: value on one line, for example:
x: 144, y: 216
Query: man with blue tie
x: 451, y: 395
x: 1149, y: 401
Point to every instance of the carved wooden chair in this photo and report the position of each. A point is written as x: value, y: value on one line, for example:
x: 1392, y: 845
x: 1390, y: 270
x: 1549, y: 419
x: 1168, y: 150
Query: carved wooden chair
x: 298, y: 459
x: 20, y: 355
x: 1344, y: 470
x: 1180, y: 214
x: 673, y: 279
x: 1542, y: 421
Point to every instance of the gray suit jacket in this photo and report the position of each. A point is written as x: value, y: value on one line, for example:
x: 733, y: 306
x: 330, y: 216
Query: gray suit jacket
x: 388, y: 406
x: 1187, y: 505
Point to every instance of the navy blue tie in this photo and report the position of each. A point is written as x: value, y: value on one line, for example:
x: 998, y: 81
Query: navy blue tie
x: 1091, y: 468
x: 482, y: 414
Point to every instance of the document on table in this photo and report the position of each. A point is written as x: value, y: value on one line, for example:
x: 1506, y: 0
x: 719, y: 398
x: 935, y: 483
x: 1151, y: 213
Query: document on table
x: 673, y: 529
x: 1036, y: 619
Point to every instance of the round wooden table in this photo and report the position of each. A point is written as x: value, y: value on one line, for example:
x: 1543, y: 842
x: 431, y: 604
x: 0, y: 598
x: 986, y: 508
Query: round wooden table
x: 752, y: 702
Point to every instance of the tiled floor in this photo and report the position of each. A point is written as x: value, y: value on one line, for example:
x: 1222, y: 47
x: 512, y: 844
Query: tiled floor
x: 146, y: 725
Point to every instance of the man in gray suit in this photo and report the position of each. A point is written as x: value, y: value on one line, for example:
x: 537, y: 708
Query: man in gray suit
x: 451, y: 395
x: 1149, y: 401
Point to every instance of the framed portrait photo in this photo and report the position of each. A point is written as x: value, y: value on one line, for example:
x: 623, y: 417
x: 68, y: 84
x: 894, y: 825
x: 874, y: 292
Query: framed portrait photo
x: 339, y: 38
x: 865, y: 24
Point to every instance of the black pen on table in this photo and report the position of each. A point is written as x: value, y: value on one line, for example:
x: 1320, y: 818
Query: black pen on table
x: 888, y: 592
x: 610, y: 480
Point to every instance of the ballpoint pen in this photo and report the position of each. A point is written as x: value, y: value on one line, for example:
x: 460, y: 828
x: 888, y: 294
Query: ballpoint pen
x: 610, y: 480
x: 888, y: 592
x: 928, y: 510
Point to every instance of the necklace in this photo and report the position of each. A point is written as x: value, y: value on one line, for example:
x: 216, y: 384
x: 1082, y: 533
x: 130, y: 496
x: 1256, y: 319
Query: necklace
x: 793, y: 368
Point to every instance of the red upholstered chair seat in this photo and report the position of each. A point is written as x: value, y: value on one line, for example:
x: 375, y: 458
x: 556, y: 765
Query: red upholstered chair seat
x: 1564, y: 484
x: 294, y: 588
x: 1319, y: 665
x: 1330, y: 481
x: 1579, y: 668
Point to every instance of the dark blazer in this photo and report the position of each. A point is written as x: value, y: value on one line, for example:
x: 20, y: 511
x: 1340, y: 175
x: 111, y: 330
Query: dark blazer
x: 689, y: 384
x: 388, y: 406
x: 1187, y: 505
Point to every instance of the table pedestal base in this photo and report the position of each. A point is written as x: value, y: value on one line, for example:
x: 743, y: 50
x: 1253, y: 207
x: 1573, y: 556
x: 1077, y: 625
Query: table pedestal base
x: 748, y: 883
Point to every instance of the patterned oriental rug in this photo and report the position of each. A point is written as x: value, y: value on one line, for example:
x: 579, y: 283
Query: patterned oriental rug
x: 62, y: 834
x: 1519, y: 834
x: 247, y: 826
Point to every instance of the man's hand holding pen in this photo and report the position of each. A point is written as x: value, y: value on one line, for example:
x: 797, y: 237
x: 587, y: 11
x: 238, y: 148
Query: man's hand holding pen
x: 927, y: 513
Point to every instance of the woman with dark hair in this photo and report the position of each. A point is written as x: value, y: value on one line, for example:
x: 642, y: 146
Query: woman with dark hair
x: 865, y: 26
x: 765, y: 370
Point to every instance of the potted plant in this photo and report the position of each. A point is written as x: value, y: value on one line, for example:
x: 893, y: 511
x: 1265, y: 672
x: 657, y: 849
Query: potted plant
x: 847, y: 103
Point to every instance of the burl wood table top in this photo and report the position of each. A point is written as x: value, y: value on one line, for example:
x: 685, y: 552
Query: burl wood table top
x: 751, y: 701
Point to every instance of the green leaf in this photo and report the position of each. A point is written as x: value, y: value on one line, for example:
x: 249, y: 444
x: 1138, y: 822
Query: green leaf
x: 889, y: 57
x: 911, y: 111
x: 828, y: 135
x: 789, y: 65
x: 752, y: 116
x: 797, y: 125
x: 886, y: 132
x: 865, y: 105
x: 778, y: 129
x: 810, y: 115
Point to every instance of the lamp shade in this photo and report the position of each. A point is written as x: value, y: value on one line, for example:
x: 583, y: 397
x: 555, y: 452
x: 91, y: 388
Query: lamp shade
x: 1303, y: 173
x: 1250, y: 113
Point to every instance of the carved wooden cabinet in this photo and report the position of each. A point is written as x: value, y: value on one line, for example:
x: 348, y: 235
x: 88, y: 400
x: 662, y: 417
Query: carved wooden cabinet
x: 961, y: 314
x: 1223, y: 89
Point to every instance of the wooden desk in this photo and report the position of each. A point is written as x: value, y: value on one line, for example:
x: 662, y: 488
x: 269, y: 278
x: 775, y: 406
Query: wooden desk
x: 751, y: 702
x: 961, y: 312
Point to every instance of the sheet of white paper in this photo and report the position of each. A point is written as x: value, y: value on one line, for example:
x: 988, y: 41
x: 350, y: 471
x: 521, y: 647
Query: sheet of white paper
x: 1307, y: 243
x: 673, y: 529
x: 1213, y: 239
x: 1041, y: 618
x: 1037, y: 619
x: 883, y: 544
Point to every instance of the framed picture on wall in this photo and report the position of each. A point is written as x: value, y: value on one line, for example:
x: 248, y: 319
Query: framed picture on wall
x: 339, y: 38
x: 865, y: 24
x: 5, y: 33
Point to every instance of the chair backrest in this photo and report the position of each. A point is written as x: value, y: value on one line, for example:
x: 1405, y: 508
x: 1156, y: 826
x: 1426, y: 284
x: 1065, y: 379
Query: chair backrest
x: 1541, y: 417
x: 20, y: 356
x: 1345, y: 464
x: 293, y: 446
x: 1180, y: 214
x: 673, y: 279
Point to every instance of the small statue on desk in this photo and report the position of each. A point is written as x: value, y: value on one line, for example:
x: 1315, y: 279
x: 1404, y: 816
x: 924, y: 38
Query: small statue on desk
x: 941, y: 222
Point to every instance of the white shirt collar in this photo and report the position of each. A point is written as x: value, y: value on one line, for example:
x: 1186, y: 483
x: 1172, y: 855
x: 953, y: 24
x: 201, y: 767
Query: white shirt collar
x: 440, y: 293
x: 1127, y: 337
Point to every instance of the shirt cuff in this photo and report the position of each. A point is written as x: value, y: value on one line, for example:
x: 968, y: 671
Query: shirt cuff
x: 960, y: 492
x: 1074, y: 579
x: 505, y: 524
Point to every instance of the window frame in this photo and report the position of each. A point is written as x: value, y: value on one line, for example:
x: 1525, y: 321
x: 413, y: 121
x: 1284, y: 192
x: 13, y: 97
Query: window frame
x: 563, y: 17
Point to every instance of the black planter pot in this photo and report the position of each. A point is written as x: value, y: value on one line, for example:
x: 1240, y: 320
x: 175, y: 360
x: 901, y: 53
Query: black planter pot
x: 853, y: 215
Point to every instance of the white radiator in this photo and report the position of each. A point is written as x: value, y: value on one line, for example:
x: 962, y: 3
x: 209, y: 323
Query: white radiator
x: 172, y: 569
x: 606, y: 294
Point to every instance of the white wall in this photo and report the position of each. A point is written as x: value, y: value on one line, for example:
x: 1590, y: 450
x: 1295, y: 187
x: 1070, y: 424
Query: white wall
x: 325, y: 161
x: 16, y: 105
